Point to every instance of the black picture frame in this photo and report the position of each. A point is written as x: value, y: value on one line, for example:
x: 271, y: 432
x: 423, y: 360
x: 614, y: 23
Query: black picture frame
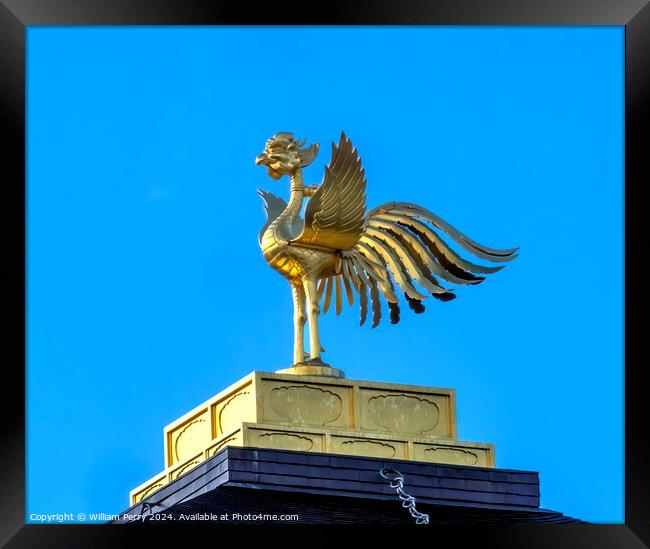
x: 16, y: 15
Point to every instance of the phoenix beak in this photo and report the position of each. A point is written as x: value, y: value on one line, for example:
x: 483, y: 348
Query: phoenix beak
x: 261, y: 159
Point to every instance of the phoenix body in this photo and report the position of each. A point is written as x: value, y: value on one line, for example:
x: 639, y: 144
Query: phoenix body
x: 339, y: 249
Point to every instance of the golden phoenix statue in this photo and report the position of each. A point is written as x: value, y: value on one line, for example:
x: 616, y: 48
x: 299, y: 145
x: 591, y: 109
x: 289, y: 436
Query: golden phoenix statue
x: 338, y: 247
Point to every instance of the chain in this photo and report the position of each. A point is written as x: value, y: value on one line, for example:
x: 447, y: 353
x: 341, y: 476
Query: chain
x: 396, y: 481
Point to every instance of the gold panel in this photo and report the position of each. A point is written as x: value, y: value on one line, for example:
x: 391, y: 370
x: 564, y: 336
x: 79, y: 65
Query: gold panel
x: 297, y: 402
x: 236, y: 402
x: 455, y: 454
x: 284, y: 439
x: 405, y: 412
x: 189, y: 438
x: 231, y: 411
x: 148, y: 488
x: 389, y: 449
x: 232, y: 439
x: 187, y: 466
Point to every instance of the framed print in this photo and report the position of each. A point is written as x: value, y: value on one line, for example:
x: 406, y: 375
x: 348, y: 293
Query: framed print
x: 449, y: 193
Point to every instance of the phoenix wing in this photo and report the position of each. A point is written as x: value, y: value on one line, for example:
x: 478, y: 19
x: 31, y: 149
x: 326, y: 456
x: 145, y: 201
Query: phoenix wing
x: 274, y: 206
x: 334, y: 217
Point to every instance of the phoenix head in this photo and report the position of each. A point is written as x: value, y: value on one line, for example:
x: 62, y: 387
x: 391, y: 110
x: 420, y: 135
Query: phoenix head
x: 282, y: 154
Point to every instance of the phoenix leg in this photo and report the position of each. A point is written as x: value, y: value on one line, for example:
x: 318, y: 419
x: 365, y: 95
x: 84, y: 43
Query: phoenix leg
x: 299, y: 319
x: 313, y: 310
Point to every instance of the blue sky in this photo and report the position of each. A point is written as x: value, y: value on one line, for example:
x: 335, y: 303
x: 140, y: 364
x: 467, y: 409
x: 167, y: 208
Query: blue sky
x: 147, y: 292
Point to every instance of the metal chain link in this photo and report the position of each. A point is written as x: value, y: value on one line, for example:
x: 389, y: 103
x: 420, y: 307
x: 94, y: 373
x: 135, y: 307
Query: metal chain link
x: 396, y: 481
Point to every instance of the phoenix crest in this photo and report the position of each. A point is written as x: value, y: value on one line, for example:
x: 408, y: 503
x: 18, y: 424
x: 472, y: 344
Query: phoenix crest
x: 338, y: 248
